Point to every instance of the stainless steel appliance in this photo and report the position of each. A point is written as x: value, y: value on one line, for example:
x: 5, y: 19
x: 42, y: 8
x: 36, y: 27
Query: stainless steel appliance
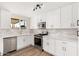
x: 38, y: 40
x: 42, y: 25
x: 10, y: 44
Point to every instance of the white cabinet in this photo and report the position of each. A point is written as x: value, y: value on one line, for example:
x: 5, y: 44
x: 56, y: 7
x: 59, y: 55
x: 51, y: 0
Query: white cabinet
x: 20, y: 42
x: 5, y: 18
x: 75, y: 15
x: 33, y: 22
x: 53, y: 19
x: 49, y: 45
x: 52, y: 46
x: 59, y: 48
x: 46, y: 44
x: 66, y: 48
x: 66, y: 16
x: 63, y: 17
x: 78, y: 11
x: 71, y: 51
x: 24, y: 41
x: 78, y: 46
x: 28, y: 40
x: 36, y: 19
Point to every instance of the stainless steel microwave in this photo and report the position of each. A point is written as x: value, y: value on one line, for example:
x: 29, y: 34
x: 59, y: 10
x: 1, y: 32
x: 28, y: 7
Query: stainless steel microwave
x: 42, y: 25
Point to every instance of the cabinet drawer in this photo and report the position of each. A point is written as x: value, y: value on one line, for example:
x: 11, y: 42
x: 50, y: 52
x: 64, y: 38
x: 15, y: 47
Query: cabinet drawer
x: 66, y: 43
x: 60, y: 43
x: 72, y: 44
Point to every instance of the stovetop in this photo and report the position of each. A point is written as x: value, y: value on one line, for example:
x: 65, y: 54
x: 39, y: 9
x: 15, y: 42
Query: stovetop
x: 40, y: 34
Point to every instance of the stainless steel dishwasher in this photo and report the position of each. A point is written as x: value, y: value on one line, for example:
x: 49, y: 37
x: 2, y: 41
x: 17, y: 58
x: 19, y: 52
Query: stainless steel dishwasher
x: 10, y: 44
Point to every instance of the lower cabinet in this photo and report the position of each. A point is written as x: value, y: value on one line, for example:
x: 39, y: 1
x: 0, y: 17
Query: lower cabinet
x: 20, y: 42
x: 65, y: 48
x: 60, y: 47
x: 48, y: 45
x: 24, y: 41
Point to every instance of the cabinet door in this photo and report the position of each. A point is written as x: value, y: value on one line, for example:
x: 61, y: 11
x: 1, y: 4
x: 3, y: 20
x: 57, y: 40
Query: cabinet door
x: 46, y: 44
x: 59, y: 48
x: 5, y: 18
x: 20, y: 42
x: 66, y: 16
x: 33, y: 22
x: 78, y: 10
x: 71, y: 49
x: 75, y: 15
x: 52, y: 46
x: 53, y: 19
x: 27, y: 40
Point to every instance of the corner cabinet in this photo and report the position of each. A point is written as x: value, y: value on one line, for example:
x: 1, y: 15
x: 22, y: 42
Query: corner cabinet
x: 5, y: 18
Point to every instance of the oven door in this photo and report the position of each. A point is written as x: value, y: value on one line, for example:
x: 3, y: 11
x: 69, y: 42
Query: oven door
x: 38, y: 42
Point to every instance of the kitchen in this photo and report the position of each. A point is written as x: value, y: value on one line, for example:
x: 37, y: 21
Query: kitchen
x: 51, y: 27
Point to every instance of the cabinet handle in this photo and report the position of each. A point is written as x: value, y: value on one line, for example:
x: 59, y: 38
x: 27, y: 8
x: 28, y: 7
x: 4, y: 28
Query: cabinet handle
x: 47, y: 43
x: 64, y: 42
x: 64, y: 48
x: 24, y: 40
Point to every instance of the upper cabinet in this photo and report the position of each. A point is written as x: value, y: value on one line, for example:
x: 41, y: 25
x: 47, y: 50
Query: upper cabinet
x: 66, y: 16
x: 34, y: 22
x: 69, y: 16
x: 75, y: 14
x: 53, y: 19
x: 5, y: 18
x: 63, y: 17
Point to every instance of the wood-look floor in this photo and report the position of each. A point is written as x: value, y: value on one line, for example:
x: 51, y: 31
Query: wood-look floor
x: 30, y: 51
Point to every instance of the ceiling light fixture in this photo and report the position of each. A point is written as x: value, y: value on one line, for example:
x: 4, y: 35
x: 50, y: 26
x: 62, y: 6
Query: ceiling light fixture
x: 38, y: 6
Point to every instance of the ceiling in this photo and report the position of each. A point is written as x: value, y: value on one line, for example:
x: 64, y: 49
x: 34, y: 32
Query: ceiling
x: 26, y: 8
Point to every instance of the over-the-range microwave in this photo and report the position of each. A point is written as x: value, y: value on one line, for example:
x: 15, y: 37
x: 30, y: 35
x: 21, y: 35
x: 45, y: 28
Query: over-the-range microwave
x: 42, y: 25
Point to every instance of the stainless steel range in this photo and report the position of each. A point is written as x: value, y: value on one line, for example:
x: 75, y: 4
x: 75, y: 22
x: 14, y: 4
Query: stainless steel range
x: 38, y: 40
